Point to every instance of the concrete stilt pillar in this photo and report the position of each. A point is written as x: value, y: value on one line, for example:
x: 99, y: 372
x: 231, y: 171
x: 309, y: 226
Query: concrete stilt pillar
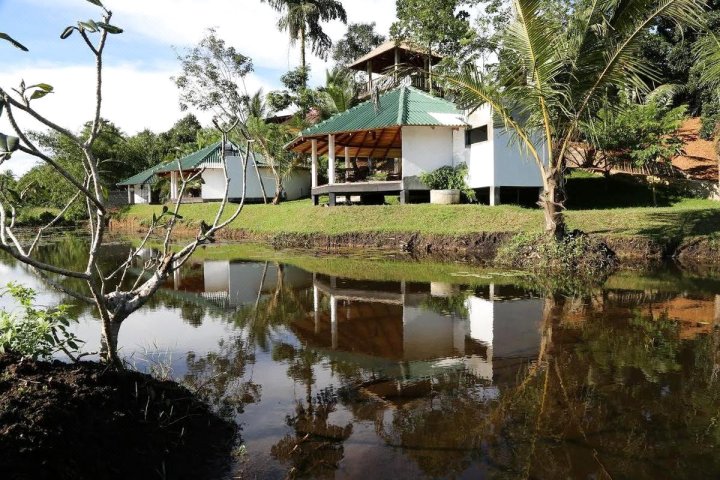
x: 314, y: 168
x: 494, y: 196
x: 331, y: 159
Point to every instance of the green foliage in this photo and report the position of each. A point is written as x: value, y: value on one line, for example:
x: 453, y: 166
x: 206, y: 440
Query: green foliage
x: 303, y: 21
x: 212, y: 78
x: 710, y: 120
x: 575, y: 255
x: 35, y: 332
x: 339, y: 92
x: 448, y: 178
x: 295, y: 92
x: 359, y: 39
x: 642, y: 133
x: 442, y: 26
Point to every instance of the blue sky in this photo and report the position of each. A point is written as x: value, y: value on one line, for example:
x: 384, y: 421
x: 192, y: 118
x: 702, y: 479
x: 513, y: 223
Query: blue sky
x: 140, y: 62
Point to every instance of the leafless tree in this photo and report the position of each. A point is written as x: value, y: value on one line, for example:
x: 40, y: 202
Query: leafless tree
x: 104, y: 289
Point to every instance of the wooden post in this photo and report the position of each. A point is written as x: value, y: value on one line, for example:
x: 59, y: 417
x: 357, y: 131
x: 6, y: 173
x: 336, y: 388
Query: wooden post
x: 347, y: 163
x: 314, y: 169
x: 369, y: 74
x: 397, y: 66
x: 331, y: 159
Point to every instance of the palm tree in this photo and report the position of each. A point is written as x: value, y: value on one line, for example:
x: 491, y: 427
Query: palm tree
x: 270, y: 138
x: 561, y: 72
x: 339, y: 91
x: 302, y: 18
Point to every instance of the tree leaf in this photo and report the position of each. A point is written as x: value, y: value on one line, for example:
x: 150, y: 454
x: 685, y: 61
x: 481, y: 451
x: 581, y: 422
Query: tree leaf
x: 42, y: 86
x: 15, y: 43
x: 97, y: 2
x: 8, y: 144
x: 112, y: 29
x: 39, y: 94
x: 67, y: 32
x: 90, y: 26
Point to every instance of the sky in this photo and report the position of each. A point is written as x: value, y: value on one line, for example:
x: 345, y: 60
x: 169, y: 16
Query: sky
x: 139, y: 63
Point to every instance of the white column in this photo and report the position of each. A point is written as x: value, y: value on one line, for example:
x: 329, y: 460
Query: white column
x: 316, y: 307
x: 331, y: 159
x: 149, y: 194
x: 494, y: 196
x: 314, y: 163
x: 130, y: 199
x: 347, y: 163
x: 334, y: 321
x: 173, y: 186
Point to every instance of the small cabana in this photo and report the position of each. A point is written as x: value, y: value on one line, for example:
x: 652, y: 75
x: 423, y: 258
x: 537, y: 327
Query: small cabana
x: 383, y: 145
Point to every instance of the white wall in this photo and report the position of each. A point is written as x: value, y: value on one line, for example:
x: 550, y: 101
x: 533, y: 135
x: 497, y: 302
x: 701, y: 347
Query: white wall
x: 141, y: 194
x: 481, y: 159
x: 424, y: 149
x: 500, y: 161
x: 214, y: 186
x: 297, y: 185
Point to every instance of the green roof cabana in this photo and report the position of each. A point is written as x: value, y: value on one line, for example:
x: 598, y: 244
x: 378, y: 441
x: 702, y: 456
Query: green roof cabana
x: 373, y: 130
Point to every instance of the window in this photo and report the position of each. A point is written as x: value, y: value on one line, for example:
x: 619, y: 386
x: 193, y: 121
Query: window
x: 476, y: 135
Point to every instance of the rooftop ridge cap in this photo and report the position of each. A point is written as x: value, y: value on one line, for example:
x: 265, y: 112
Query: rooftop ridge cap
x: 402, y: 106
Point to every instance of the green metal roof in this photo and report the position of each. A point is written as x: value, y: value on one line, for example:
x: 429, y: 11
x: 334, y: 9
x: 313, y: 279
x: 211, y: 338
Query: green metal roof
x: 191, y: 162
x: 403, y: 106
x: 146, y: 176
x: 194, y: 160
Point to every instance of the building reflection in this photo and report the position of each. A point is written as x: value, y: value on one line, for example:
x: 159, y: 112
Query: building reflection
x: 413, y: 330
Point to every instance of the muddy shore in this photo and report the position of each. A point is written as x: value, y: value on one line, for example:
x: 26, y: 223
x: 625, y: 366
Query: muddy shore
x: 479, y: 247
x: 83, y: 421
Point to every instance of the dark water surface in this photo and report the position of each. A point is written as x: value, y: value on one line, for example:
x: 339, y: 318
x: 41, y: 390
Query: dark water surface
x: 395, y: 375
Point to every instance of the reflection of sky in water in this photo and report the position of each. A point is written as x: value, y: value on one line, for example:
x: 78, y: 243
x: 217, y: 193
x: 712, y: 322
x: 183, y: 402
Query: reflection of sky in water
x: 390, y: 352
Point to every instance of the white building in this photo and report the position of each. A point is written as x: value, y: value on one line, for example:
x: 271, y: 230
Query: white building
x: 380, y: 148
x: 211, y: 187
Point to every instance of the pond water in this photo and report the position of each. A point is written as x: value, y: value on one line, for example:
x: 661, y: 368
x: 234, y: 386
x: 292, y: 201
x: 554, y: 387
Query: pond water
x: 349, y: 368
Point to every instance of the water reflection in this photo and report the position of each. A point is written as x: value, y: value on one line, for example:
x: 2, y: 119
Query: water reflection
x: 332, y: 377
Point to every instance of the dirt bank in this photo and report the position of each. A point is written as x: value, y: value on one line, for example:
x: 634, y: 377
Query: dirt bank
x: 479, y: 247
x: 60, y: 421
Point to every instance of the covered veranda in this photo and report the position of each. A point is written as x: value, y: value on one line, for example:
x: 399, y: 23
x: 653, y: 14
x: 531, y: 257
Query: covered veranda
x: 364, y: 163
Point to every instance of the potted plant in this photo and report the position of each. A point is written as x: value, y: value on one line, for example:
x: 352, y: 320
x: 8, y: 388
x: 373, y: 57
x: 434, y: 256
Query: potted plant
x: 446, y: 183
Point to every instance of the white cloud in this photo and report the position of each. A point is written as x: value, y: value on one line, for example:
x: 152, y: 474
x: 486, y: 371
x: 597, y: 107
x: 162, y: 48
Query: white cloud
x: 137, y: 97
x: 248, y: 25
x: 134, y: 99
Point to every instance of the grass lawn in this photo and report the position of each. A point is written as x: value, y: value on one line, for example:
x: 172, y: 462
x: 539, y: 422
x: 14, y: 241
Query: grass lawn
x: 597, y: 205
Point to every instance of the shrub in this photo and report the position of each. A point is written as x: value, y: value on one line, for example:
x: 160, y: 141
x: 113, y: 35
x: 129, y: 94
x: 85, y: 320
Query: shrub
x: 35, y: 332
x: 448, y: 178
x: 576, y: 254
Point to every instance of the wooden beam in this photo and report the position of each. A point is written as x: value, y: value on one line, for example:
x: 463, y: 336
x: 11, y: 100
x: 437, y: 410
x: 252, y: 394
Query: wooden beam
x: 377, y: 142
x: 392, y: 144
